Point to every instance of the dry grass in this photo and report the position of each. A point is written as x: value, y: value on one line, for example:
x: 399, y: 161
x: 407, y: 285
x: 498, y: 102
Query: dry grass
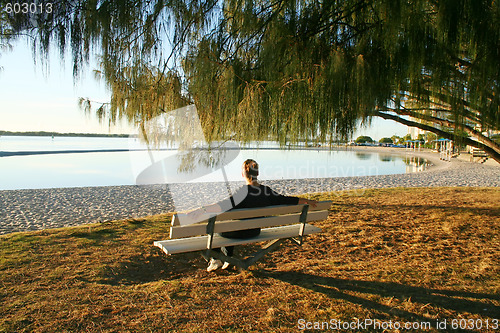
x: 401, y: 254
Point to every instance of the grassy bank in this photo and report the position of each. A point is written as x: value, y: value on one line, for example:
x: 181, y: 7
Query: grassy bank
x: 408, y: 255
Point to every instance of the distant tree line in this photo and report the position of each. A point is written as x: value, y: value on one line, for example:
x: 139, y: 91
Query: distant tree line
x: 427, y: 140
x: 42, y: 133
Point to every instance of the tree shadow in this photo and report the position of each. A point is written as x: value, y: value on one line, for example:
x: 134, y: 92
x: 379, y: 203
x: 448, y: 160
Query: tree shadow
x: 154, y: 265
x: 335, y: 288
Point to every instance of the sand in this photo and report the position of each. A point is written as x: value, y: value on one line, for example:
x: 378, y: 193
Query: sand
x: 35, y: 209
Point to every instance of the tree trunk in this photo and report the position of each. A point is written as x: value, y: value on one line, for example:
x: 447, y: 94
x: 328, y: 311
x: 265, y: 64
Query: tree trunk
x: 489, y: 150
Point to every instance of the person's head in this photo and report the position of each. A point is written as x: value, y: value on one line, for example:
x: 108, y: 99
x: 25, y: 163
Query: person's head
x: 250, y: 170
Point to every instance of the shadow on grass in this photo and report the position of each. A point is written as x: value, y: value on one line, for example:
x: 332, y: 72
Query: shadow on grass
x: 151, y: 267
x: 459, y: 301
x: 96, y: 235
x: 154, y: 265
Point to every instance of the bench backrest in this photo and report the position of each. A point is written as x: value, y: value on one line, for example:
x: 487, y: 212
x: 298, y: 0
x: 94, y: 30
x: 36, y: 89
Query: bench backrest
x: 240, y: 219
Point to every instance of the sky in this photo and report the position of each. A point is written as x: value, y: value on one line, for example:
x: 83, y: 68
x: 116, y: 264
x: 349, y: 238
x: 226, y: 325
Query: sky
x: 32, y: 99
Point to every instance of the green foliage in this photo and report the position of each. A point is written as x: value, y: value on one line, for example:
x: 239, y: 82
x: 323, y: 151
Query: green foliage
x: 429, y: 137
x: 397, y: 140
x: 289, y: 70
x: 386, y: 140
x: 364, y: 139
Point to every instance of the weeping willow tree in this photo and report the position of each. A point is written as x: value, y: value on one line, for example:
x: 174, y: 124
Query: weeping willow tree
x: 290, y: 70
x: 305, y: 70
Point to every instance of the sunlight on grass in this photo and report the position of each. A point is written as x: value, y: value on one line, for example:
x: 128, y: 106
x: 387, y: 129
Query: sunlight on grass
x: 393, y: 254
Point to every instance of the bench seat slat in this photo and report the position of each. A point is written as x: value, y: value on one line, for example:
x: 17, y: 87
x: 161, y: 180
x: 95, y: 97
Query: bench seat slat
x: 172, y: 246
x: 246, y: 213
x: 224, y: 226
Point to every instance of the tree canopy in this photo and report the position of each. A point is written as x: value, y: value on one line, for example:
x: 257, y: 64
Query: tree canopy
x: 289, y: 70
x: 364, y: 139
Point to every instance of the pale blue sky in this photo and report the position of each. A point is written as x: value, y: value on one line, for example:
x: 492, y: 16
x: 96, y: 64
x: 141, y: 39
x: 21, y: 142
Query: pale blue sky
x: 31, y: 100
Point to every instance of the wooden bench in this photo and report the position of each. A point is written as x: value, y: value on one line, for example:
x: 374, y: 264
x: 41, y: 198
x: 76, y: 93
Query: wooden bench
x: 278, y: 224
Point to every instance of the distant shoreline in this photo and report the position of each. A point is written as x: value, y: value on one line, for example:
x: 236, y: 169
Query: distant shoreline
x: 43, y: 133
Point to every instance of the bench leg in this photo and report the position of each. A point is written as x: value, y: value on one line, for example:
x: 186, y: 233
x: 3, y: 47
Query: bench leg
x: 271, y: 246
x: 245, y: 263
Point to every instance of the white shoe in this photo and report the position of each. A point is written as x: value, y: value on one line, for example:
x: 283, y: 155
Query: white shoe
x: 214, y: 264
x: 226, y: 265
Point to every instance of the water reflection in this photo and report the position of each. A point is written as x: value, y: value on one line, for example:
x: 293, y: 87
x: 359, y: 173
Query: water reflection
x: 363, y: 156
x: 122, y: 168
x: 415, y: 164
x: 387, y: 158
x: 188, y: 164
x: 171, y: 149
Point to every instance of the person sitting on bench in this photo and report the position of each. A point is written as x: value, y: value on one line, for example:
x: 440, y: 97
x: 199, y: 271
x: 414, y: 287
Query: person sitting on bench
x: 253, y: 195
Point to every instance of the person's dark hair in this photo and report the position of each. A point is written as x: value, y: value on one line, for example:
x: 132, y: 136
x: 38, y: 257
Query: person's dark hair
x: 250, y: 169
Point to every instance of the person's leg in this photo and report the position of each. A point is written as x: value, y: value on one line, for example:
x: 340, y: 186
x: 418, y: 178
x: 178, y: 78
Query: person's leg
x: 228, y: 250
x: 239, y: 234
x: 214, y: 263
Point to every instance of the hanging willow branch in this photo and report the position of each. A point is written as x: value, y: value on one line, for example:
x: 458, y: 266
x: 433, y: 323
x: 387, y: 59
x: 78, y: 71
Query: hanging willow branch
x: 289, y: 70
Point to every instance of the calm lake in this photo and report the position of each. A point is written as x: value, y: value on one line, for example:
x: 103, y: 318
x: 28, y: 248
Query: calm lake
x: 69, y: 166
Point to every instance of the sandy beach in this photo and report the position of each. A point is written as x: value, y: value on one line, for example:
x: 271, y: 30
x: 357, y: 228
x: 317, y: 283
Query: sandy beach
x: 35, y: 209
